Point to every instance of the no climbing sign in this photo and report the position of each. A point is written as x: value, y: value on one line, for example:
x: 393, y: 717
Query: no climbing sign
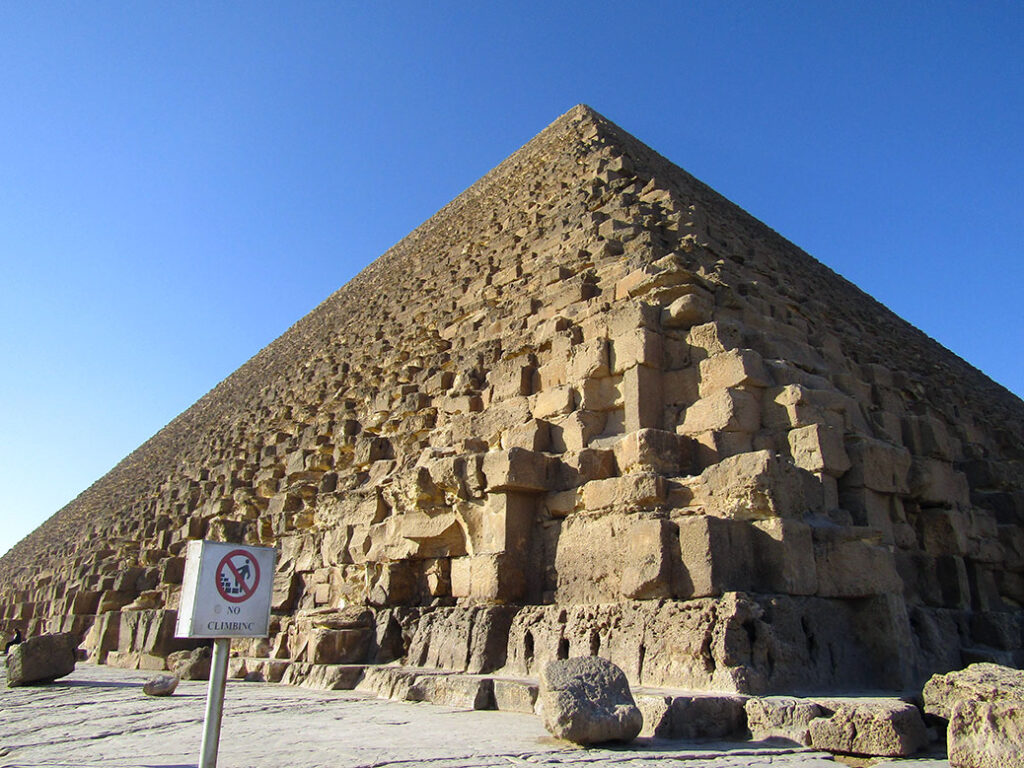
x: 226, y: 591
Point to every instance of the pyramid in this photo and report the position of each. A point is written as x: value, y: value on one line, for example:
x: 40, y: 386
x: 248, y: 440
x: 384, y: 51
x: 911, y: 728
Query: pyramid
x: 590, y: 407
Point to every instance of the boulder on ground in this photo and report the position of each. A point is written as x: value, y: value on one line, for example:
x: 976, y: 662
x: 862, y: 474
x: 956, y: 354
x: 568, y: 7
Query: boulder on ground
x: 984, y: 704
x: 978, y: 682
x: 161, y: 685
x: 587, y: 701
x: 41, y: 659
x: 883, y: 727
x: 986, y: 734
x: 191, y: 665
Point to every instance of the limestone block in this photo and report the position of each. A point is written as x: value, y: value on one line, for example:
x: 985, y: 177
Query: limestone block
x: 680, y: 386
x: 642, y: 398
x: 877, y: 465
x: 517, y: 470
x: 511, y: 378
x: 795, y: 405
x: 732, y: 368
x: 873, y: 509
x: 654, y: 450
x: 851, y: 562
x: 884, y: 727
x: 730, y: 410
x: 943, y: 531
x: 338, y: 646
x: 575, y: 431
x: 515, y: 695
x: 491, y: 577
x: 750, y: 486
x: 934, y: 481
x: 720, y: 556
x: 553, y: 402
x: 501, y: 522
x: 713, y: 447
x: 458, y: 691
x: 601, y: 394
x: 818, y: 448
x: 696, y: 716
x: 781, y: 717
x: 640, y: 346
x: 603, y: 559
x: 715, y: 337
x: 534, y: 435
x: 631, y: 491
x: 589, y: 361
x: 688, y: 310
x: 927, y: 436
x: 419, y: 535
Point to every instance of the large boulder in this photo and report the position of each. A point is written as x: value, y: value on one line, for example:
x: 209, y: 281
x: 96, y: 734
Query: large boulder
x: 984, y: 704
x: 41, y: 659
x: 978, y: 682
x: 587, y: 701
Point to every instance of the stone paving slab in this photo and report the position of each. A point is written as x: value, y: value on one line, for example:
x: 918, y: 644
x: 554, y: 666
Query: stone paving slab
x: 98, y: 717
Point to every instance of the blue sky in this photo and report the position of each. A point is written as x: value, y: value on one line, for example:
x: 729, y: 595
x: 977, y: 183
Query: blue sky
x: 181, y: 182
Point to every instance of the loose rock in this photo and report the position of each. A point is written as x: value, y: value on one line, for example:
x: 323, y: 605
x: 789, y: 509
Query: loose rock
x: 41, y: 659
x: 587, y: 701
x: 161, y: 685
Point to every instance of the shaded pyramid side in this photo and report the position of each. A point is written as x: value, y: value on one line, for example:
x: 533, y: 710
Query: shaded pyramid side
x: 588, y: 407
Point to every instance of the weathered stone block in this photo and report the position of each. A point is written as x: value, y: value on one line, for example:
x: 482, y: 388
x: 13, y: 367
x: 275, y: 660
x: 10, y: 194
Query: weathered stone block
x: 654, y: 450
x: 517, y: 470
x: 637, y: 347
x: 622, y: 493
x: 750, y: 486
x: 818, y: 448
x: 885, y: 727
x: 729, y: 410
x: 606, y: 559
x: 730, y: 369
x: 878, y: 465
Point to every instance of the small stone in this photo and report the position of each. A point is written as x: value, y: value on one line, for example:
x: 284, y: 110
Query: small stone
x: 161, y: 685
x: 587, y: 700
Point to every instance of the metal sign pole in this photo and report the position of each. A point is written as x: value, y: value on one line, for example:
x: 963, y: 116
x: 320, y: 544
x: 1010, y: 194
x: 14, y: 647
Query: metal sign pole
x: 214, y: 703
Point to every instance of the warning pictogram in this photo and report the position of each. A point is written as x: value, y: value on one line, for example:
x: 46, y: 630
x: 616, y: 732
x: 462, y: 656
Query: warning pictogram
x: 238, y: 575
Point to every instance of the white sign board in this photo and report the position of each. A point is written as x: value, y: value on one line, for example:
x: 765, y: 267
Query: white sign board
x: 226, y: 591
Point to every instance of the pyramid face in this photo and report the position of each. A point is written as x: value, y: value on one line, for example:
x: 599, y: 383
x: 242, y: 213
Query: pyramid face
x: 589, y: 407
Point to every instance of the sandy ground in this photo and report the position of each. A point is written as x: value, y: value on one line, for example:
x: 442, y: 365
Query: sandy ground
x: 99, y: 717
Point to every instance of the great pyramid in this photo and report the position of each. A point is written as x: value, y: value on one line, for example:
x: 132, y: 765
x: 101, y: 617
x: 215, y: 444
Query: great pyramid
x: 589, y: 407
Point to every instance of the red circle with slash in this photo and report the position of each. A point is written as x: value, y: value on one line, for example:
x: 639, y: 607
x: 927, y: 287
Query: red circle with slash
x: 237, y: 576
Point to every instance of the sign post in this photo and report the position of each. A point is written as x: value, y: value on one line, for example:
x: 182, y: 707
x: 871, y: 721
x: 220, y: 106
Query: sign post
x: 226, y: 593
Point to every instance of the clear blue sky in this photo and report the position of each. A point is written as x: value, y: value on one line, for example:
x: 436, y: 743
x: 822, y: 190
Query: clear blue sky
x: 180, y: 182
